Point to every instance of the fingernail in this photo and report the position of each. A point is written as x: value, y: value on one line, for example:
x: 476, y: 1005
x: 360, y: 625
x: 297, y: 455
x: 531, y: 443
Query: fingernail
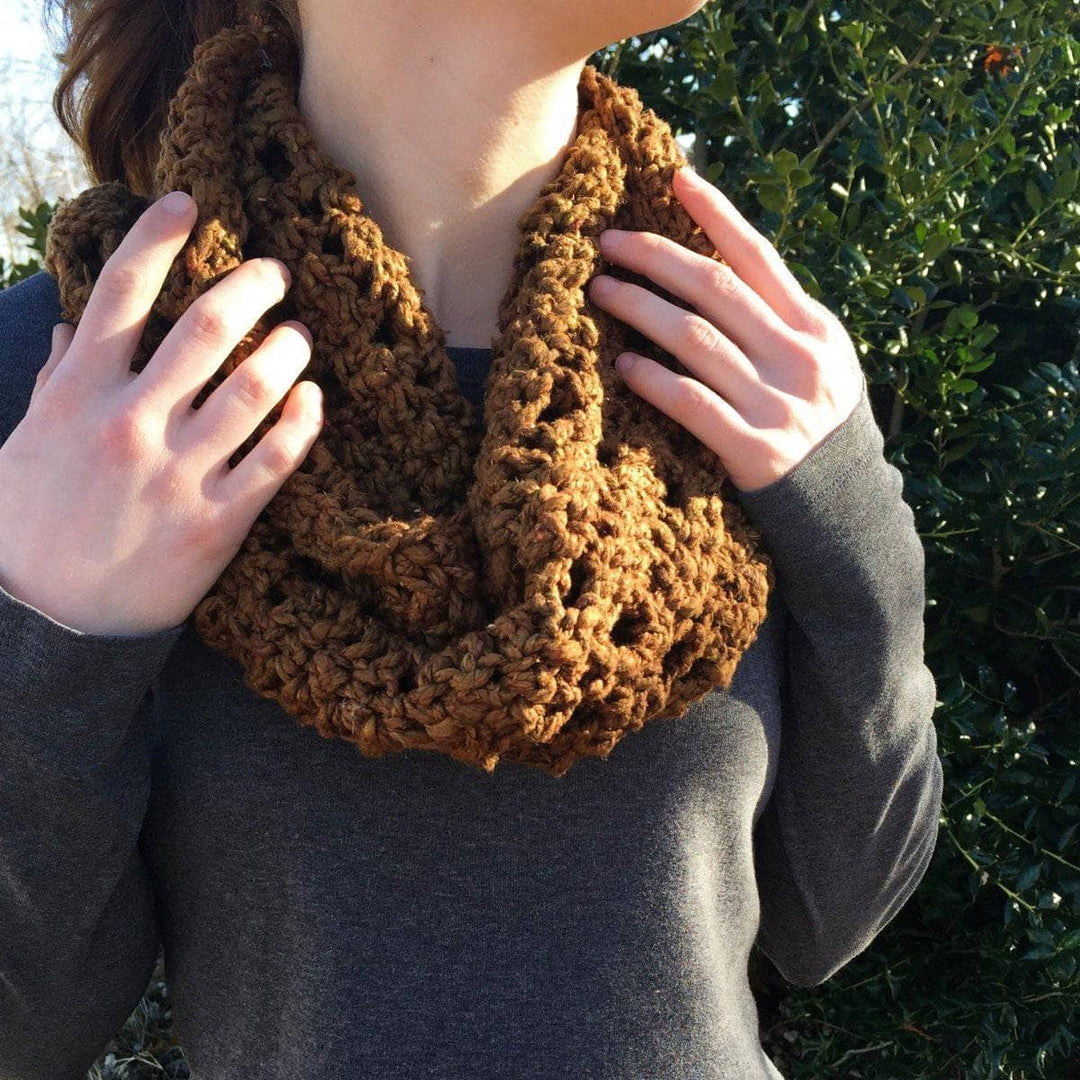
x: 624, y: 363
x: 177, y: 203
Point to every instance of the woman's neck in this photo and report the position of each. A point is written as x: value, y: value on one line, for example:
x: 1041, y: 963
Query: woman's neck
x: 451, y: 128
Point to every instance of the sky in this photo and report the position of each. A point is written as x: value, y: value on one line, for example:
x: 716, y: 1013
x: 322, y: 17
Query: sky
x: 27, y: 79
x: 24, y: 54
x: 21, y: 33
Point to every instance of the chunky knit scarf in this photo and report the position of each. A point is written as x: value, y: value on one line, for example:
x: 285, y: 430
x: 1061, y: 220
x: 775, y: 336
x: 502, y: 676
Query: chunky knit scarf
x: 527, y: 583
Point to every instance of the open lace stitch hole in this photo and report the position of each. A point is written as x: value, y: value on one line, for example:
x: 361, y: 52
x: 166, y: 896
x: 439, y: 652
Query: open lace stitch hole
x: 275, y: 161
x: 607, y: 454
x: 383, y: 334
x: 564, y: 400
x: 536, y: 439
x: 673, y: 495
x: 628, y: 627
x: 332, y: 245
x: 314, y: 573
x: 579, y: 574
x: 674, y: 659
x: 89, y: 253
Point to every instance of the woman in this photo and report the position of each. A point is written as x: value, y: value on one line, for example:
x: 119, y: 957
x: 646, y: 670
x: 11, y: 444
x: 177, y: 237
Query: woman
x: 324, y: 914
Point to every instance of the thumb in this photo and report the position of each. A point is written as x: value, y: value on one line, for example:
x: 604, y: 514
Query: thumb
x: 62, y: 333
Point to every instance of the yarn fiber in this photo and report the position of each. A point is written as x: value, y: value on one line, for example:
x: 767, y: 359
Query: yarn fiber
x: 527, y: 584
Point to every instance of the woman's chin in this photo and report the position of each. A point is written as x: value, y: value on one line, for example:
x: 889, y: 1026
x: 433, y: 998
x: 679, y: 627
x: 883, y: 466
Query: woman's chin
x: 615, y: 20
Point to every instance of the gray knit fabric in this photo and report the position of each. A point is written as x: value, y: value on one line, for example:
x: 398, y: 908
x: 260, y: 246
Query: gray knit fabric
x: 325, y: 915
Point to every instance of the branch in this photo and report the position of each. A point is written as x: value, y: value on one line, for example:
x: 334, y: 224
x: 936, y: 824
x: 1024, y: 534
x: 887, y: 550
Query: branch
x: 868, y: 100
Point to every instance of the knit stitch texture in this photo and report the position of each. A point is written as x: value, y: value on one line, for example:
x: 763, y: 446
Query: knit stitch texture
x: 530, y: 587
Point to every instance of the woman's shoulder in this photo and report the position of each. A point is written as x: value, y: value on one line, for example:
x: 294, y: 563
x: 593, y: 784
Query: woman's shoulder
x: 28, y: 312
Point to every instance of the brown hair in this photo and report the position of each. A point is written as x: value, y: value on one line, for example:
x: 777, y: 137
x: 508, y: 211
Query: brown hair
x: 133, y: 55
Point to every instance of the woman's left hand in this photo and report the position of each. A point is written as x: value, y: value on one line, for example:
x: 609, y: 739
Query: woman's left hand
x: 776, y: 372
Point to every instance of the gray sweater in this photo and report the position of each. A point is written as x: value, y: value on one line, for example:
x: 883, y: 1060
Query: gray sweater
x: 326, y: 915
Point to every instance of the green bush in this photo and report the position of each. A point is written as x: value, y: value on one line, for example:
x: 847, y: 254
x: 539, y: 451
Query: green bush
x: 917, y: 165
x: 33, y: 226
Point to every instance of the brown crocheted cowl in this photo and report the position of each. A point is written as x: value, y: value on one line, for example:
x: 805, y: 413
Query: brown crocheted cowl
x: 527, y: 584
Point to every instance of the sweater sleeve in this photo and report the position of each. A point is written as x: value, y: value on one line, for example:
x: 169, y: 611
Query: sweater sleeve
x: 851, y: 824
x: 80, y: 936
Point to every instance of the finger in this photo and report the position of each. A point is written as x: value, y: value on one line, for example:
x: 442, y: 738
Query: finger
x: 62, y: 334
x: 119, y: 304
x: 689, y: 337
x: 237, y: 407
x: 690, y: 403
x: 249, y: 486
x: 207, y: 332
x: 747, y: 251
x: 713, y: 288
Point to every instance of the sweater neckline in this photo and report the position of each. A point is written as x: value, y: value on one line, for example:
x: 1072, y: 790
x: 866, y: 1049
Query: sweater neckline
x: 470, y: 349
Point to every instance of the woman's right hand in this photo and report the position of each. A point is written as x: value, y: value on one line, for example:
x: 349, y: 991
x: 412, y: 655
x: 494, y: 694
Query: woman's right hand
x: 118, y: 507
